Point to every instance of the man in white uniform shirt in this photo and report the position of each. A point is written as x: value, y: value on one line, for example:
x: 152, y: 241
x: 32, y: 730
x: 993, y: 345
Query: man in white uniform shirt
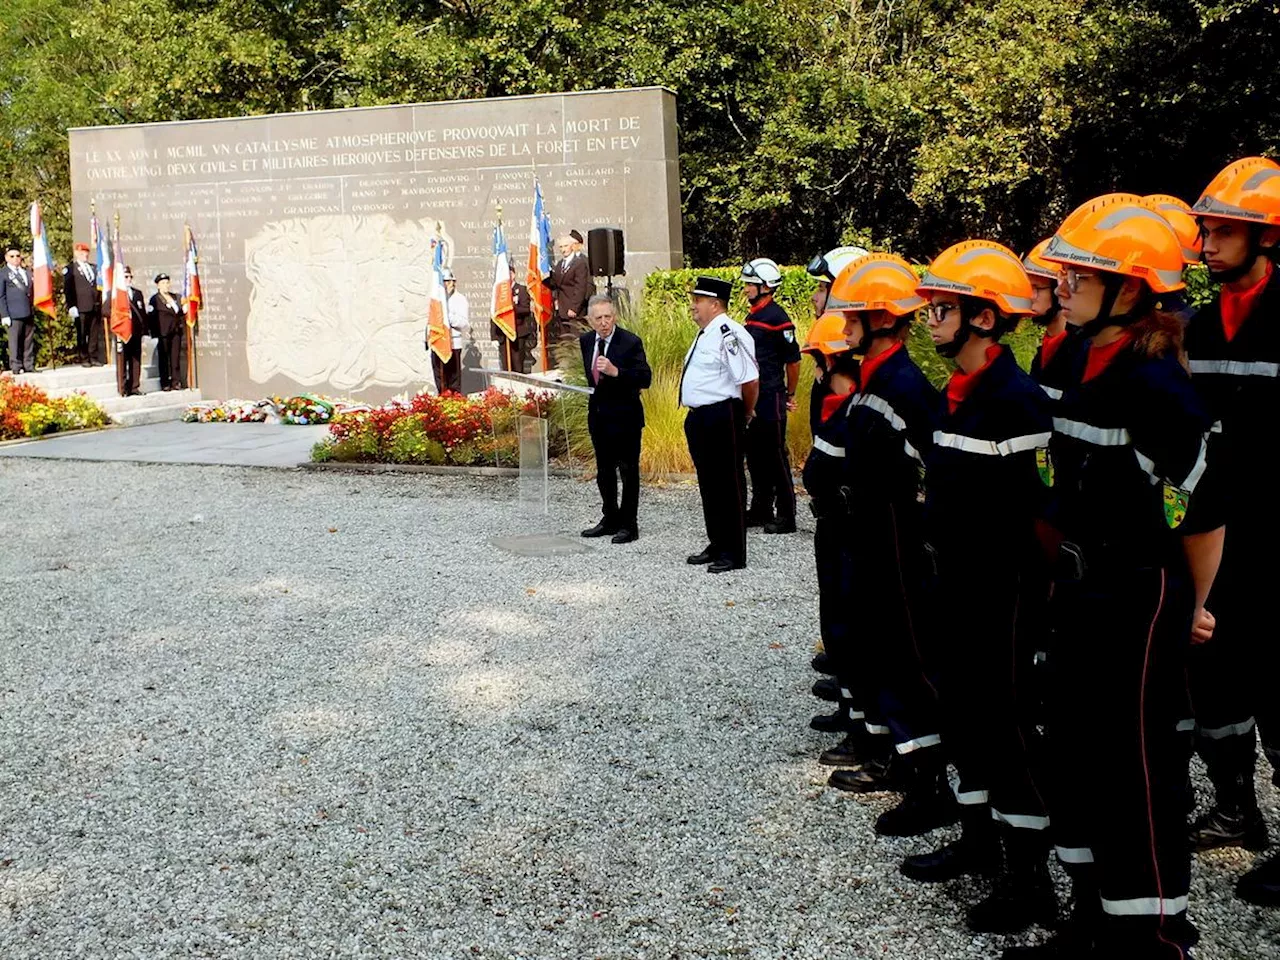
x: 719, y: 384
x: 459, y: 319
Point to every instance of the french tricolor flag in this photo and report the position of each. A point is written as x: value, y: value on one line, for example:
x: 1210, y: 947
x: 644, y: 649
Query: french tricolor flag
x: 41, y: 264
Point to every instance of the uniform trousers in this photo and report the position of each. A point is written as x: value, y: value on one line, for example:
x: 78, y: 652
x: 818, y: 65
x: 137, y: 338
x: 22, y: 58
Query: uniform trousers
x: 983, y: 653
x: 1233, y: 676
x: 22, y: 344
x: 91, y: 339
x: 769, y: 461
x: 617, y: 452
x: 833, y: 546
x: 172, y: 372
x: 889, y: 570
x: 1118, y: 763
x: 129, y: 361
x: 448, y: 375
x: 715, y: 433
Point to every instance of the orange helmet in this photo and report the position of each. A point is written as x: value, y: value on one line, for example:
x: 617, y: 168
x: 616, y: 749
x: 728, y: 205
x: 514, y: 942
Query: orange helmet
x: 826, y: 336
x: 1036, y: 266
x: 877, y: 281
x: 1182, y: 220
x: 1248, y: 190
x: 1118, y: 233
x: 983, y: 269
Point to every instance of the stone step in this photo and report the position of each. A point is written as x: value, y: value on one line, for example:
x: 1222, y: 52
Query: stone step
x: 118, y: 406
x: 106, y: 389
x: 145, y: 415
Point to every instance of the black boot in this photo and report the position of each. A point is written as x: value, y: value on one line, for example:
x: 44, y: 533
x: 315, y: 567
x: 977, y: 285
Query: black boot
x: 856, y: 749
x: 976, y: 852
x: 1261, y: 885
x: 828, y: 688
x: 1234, y: 820
x: 928, y: 803
x: 1077, y: 939
x: 822, y: 663
x: 1023, y: 893
x: 837, y: 722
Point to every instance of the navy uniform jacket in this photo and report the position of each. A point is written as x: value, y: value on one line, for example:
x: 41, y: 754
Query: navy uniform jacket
x: 16, y: 297
x: 776, y: 346
x: 81, y: 293
x: 1054, y: 377
x: 615, y: 403
x: 991, y: 452
x: 137, y: 313
x: 526, y: 326
x: 1239, y: 382
x: 824, y: 468
x: 166, y: 321
x: 1119, y: 441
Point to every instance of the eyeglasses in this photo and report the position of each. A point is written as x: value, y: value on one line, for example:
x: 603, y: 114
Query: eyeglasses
x: 1072, y: 279
x: 938, y: 311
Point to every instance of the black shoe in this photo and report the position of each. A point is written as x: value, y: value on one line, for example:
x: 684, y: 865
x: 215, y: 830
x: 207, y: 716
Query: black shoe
x: 1067, y: 944
x: 837, y: 722
x: 700, y: 558
x: 1225, y: 828
x: 822, y: 663
x: 1261, y: 885
x: 756, y: 518
x: 849, y: 752
x: 780, y: 526
x: 1017, y: 902
x: 601, y: 529
x: 625, y: 535
x: 724, y: 566
x: 951, y: 861
x: 927, y: 805
x: 827, y: 689
x: 874, y: 776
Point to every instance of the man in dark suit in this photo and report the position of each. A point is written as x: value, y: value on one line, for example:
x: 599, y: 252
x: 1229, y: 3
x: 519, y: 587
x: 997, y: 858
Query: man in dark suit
x: 166, y: 311
x: 84, y: 303
x: 572, y: 287
x: 129, y: 350
x: 17, y: 314
x: 526, y: 344
x: 617, y: 369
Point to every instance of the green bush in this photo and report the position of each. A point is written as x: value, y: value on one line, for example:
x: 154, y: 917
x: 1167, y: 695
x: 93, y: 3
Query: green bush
x: 409, y: 443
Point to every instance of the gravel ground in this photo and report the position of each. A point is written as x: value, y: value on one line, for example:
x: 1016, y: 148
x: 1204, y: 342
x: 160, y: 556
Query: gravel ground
x: 253, y: 714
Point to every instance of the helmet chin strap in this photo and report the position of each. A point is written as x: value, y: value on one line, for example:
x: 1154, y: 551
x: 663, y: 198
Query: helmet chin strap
x: 1111, y: 284
x: 951, y: 349
x: 1256, y: 250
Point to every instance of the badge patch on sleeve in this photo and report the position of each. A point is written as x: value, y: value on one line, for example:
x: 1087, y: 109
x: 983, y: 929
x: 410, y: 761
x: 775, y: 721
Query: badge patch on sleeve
x: 790, y: 335
x: 1175, y: 506
x: 1044, y: 466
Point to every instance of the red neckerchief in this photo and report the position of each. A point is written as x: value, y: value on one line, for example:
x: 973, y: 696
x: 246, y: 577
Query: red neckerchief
x: 760, y: 304
x: 1236, y: 307
x: 1049, y: 346
x: 872, y: 364
x: 961, y: 384
x: 1101, y: 357
x: 831, y: 403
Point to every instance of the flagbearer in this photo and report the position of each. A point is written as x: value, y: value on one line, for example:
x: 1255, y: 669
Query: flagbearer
x: 84, y: 303
x: 17, y: 312
x: 129, y: 344
x: 526, y: 344
x: 778, y: 355
x: 719, y: 384
x: 617, y: 370
x: 166, y: 313
x: 449, y: 372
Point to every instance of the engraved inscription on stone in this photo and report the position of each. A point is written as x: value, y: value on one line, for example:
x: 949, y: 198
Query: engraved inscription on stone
x: 314, y: 228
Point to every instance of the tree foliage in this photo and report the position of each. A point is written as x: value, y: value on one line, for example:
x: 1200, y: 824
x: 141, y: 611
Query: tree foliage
x: 907, y: 124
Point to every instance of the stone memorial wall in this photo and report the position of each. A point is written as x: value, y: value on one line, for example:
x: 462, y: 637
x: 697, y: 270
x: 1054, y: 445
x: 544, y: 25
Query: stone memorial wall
x: 314, y: 228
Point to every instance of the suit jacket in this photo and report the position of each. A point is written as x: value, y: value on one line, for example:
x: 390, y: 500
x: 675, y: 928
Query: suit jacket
x: 78, y: 292
x: 16, y: 298
x: 571, y: 281
x: 615, y: 404
x: 166, y: 321
x: 137, y: 313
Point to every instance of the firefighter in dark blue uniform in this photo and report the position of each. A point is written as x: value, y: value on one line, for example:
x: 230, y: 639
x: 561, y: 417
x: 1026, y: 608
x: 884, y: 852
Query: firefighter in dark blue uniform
x: 985, y: 486
x: 1051, y: 364
x: 890, y: 428
x: 1136, y: 543
x: 1233, y: 346
x: 832, y: 543
x: 773, y: 495
x: 824, y: 268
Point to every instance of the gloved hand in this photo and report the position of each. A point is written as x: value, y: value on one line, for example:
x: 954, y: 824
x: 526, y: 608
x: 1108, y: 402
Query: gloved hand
x: 75, y: 314
x: 4, y: 321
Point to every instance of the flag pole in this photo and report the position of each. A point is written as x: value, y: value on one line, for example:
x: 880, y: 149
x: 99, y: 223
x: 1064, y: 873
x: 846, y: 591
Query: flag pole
x: 104, y: 302
x: 191, y: 339
x: 507, y: 343
x: 119, y: 351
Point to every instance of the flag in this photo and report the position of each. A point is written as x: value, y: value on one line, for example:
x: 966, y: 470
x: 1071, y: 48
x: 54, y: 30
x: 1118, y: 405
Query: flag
x: 101, y: 244
x: 539, y: 261
x: 502, y: 306
x: 41, y: 264
x: 121, y: 321
x: 439, y: 337
x: 191, y: 298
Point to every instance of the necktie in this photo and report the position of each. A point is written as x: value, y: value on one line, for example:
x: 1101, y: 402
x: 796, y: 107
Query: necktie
x: 21, y: 277
x: 86, y: 272
x: 595, y: 374
x: 687, y: 361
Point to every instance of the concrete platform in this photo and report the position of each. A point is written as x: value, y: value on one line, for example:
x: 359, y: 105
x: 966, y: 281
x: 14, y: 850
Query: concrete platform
x: 228, y: 444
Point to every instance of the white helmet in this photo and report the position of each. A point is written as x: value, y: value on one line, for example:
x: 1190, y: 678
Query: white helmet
x: 827, y: 266
x: 446, y: 274
x: 762, y: 271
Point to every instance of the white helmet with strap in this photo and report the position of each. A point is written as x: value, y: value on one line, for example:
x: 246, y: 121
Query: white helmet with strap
x: 827, y: 266
x: 763, y: 272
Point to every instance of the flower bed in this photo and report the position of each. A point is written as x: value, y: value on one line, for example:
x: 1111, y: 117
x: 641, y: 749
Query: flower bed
x: 27, y: 411
x: 304, y: 409
x: 446, y: 429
